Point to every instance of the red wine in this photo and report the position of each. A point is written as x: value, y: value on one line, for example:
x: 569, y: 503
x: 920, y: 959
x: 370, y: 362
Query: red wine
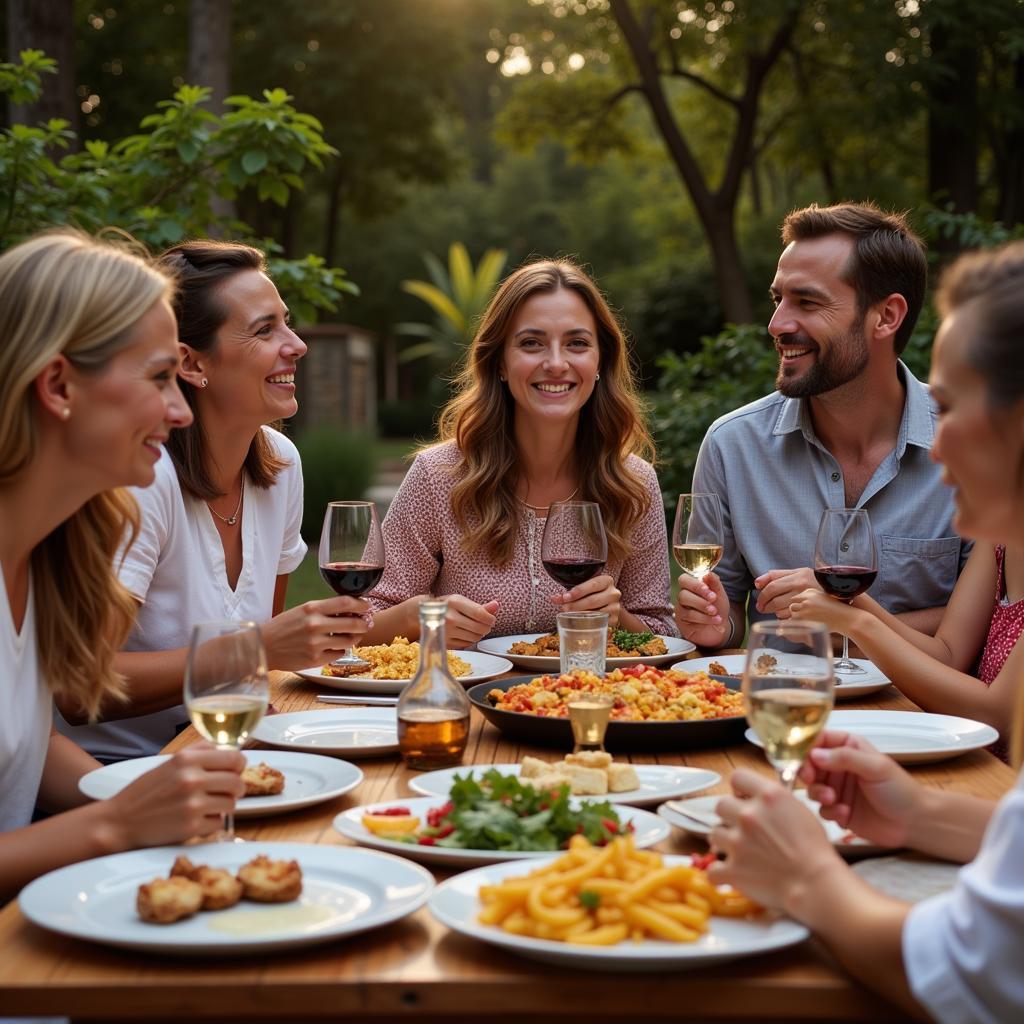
x: 845, y: 581
x: 570, y: 571
x: 351, y: 579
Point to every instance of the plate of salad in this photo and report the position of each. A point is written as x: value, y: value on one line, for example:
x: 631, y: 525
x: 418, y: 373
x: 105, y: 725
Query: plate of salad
x: 539, y: 651
x: 492, y: 818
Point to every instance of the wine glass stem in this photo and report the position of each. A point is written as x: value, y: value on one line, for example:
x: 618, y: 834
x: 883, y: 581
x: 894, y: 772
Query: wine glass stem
x: 229, y: 826
x: 788, y: 774
x: 846, y: 650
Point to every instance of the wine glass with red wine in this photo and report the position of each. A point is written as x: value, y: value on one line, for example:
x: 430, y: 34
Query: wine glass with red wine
x: 574, y: 547
x: 351, y: 555
x: 845, y: 563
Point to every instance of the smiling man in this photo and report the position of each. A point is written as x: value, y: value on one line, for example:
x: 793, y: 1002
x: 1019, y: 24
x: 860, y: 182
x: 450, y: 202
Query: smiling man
x: 849, y: 426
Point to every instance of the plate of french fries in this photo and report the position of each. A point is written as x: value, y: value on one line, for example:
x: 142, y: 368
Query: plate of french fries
x: 609, y: 908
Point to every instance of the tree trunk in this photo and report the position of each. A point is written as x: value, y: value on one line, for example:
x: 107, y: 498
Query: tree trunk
x: 1010, y: 208
x: 47, y: 25
x: 953, y: 119
x: 209, y: 48
x: 727, y: 260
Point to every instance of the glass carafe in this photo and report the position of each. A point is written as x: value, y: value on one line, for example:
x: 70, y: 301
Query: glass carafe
x: 433, y: 710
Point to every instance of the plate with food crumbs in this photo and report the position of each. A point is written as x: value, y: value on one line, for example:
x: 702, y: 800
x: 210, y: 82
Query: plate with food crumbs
x: 539, y: 651
x: 655, y: 783
x: 343, y: 891
x: 389, y: 675
x: 697, y: 815
x: 276, y: 780
x: 731, y: 666
x: 464, y: 902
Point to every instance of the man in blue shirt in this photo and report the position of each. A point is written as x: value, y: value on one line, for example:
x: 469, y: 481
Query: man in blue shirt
x: 849, y: 426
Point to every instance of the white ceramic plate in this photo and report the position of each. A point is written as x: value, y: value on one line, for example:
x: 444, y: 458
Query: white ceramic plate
x: 308, y: 779
x: 649, y: 829
x: 344, y: 891
x: 658, y: 782
x: 842, y: 839
x: 485, y: 666
x: 500, y: 645
x: 846, y: 686
x: 910, y: 737
x: 362, y: 732
x: 455, y: 904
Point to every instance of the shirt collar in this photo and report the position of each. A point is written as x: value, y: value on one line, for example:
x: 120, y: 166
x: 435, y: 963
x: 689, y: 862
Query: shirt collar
x: 916, y: 426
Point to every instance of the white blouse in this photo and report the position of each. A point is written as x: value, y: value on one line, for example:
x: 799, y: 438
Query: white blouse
x: 176, y: 569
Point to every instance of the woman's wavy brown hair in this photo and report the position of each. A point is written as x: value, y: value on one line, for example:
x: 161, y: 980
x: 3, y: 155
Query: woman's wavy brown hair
x: 479, y: 419
x: 200, y: 269
x: 987, y: 290
x: 66, y: 293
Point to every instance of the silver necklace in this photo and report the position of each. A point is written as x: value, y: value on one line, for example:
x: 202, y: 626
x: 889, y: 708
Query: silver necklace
x: 544, y: 508
x: 233, y: 518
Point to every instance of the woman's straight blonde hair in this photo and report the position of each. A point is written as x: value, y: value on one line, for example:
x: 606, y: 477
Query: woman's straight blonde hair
x: 63, y: 292
x: 479, y: 419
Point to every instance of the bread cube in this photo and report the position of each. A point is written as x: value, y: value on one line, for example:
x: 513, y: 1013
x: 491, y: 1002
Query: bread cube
x: 590, y: 759
x: 586, y: 781
x: 622, y: 777
x: 532, y: 767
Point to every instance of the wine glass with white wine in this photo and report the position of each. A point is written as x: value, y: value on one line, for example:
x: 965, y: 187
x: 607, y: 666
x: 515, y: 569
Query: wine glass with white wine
x: 697, y: 535
x: 788, y: 689
x: 226, y: 687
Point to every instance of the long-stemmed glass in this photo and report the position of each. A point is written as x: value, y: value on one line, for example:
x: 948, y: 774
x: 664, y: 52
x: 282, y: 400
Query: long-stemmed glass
x: 697, y: 535
x: 574, y: 547
x: 351, y: 556
x: 226, y: 686
x: 845, y: 563
x: 788, y: 687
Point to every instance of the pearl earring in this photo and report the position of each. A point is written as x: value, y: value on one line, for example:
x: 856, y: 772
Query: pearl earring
x: 597, y: 377
x: 203, y: 383
x: 65, y: 413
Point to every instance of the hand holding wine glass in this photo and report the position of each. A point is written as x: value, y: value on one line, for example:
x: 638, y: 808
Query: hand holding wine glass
x: 697, y: 534
x: 845, y: 563
x: 788, y: 687
x: 226, y: 686
x: 351, y: 555
x: 574, y: 548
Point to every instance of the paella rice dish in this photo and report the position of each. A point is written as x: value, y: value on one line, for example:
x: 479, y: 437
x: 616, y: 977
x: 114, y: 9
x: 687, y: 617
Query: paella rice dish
x: 396, y: 660
x: 642, y: 694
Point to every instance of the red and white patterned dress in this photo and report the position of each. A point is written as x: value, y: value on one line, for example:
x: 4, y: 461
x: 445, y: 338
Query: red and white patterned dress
x: 424, y: 555
x: 1006, y: 626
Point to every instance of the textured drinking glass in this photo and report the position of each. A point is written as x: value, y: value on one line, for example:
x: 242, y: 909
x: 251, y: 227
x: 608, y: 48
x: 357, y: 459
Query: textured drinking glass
x: 583, y: 641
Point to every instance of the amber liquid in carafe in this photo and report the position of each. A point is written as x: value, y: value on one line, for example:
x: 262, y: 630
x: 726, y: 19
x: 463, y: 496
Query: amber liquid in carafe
x: 431, y: 738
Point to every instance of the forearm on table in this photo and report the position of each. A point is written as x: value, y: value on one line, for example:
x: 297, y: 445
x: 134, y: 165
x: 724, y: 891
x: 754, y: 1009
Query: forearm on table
x: 923, y: 620
x: 76, y: 835
x: 928, y: 682
x: 862, y: 928
x: 402, y: 619
x: 154, y: 680
x: 902, y: 626
x: 949, y: 825
x: 66, y: 763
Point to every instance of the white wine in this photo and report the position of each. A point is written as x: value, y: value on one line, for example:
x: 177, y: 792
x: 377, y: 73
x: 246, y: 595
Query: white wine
x: 697, y: 559
x: 226, y: 719
x: 787, y: 719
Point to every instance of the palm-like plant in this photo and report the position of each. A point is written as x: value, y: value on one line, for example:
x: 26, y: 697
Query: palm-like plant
x: 458, y: 295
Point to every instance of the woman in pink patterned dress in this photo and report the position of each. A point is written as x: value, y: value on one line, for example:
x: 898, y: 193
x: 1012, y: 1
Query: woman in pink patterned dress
x: 546, y: 410
x: 972, y: 666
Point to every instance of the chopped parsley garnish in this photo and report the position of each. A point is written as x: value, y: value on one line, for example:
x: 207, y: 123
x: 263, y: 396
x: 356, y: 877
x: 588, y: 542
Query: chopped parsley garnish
x: 626, y: 641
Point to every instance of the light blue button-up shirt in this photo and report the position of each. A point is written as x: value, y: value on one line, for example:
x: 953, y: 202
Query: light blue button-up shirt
x: 774, y: 478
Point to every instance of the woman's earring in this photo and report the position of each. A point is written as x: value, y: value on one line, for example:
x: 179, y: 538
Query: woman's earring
x: 597, y: 377
x: 203, y: 383
x: 65, y: 413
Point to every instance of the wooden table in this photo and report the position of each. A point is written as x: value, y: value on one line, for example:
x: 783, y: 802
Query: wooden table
x: 416, y: 968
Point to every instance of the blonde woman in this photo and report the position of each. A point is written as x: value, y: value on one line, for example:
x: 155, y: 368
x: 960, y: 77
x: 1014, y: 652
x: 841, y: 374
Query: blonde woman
x: 219, y: 531
x: 546, y: 410
x: 88, y: 357
x: 958, y: 955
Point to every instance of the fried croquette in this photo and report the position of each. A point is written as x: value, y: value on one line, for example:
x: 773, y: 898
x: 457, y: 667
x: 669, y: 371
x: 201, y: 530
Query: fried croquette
x: 271, y: 881
x: 220, y: 888
x: 166, y: 900
x: 262, y: 780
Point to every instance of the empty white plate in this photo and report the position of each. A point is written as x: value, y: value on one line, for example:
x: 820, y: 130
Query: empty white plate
x: 364, y: 732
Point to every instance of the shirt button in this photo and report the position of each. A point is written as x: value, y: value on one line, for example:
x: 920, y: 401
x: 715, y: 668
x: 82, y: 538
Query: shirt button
x: 835, y: 477
x: 844, y: 546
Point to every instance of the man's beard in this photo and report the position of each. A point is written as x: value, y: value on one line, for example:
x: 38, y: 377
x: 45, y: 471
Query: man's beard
x: 845, y: 359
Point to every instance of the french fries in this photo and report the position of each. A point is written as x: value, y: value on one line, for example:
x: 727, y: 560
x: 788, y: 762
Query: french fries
x: 599, y: 896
